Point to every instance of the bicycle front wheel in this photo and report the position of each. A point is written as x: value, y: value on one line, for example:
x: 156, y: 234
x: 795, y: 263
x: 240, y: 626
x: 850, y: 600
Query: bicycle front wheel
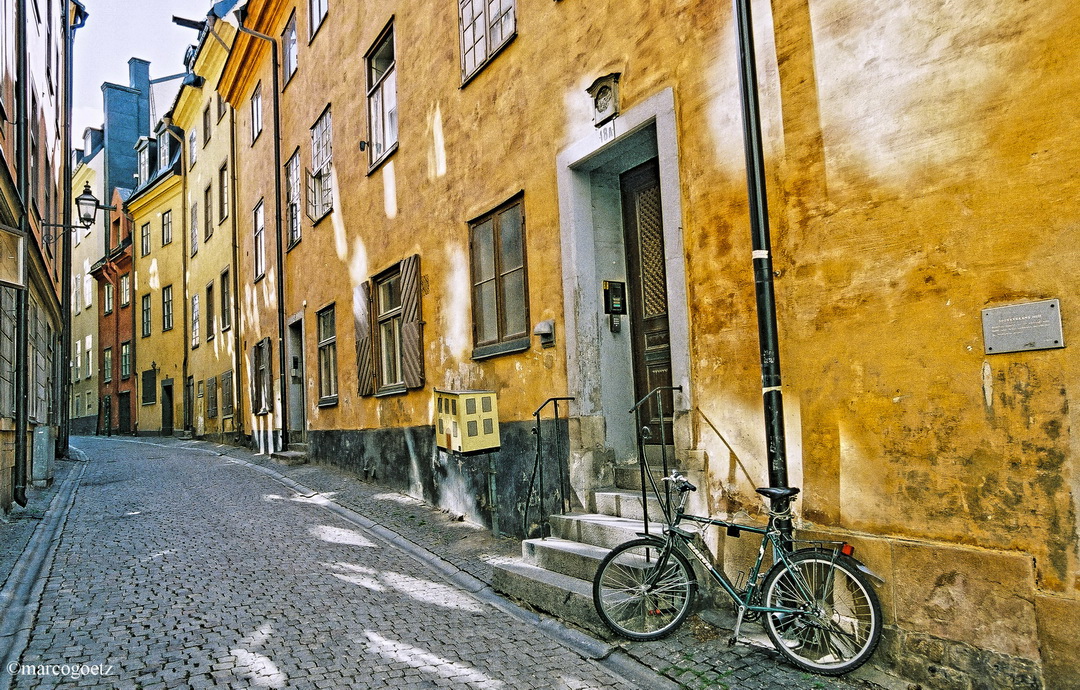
x: 643, y: 589
x: 835, y: 618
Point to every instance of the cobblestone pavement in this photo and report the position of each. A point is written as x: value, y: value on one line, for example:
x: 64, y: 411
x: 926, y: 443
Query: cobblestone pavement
x: 184, y: 565
x: 179, y: 569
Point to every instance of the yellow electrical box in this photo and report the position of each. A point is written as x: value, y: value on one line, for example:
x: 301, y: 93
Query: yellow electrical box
x: 466, y: 421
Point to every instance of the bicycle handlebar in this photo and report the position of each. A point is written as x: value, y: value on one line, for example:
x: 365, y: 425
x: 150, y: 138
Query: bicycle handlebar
x: 681, y: 484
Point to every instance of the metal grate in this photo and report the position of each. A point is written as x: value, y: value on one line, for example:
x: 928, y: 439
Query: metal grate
x: 651, y: 236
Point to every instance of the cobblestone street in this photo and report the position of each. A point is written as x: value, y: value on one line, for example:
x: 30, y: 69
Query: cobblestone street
x: 193, y: 565
x: 177, y: 569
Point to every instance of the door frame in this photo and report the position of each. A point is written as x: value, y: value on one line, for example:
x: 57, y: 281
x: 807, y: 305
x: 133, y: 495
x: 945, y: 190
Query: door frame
x: 297, y: 399
x: 170, y: 409
x: 596, y: 358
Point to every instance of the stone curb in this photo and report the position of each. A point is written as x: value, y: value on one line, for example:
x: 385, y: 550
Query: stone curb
x: 21, y: 595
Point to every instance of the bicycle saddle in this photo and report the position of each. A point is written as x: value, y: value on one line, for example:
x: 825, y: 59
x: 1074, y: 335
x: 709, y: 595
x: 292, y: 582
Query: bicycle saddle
x: 778, y: 491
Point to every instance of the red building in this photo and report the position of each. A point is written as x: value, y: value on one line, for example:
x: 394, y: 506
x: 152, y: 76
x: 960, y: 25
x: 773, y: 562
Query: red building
x: 116, y: 324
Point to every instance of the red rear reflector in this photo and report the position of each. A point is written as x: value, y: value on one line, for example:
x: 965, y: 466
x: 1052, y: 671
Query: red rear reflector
x: 847, y: 549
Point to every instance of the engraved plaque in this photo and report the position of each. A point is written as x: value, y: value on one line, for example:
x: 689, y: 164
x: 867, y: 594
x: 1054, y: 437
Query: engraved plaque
x: 1020, y: 327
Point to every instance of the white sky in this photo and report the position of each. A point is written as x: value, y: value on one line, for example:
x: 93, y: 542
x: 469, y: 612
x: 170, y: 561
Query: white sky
x: 118, y: 30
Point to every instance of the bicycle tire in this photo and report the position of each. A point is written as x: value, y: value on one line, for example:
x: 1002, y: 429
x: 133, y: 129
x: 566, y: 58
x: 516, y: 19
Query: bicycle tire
x: 840, y: 624
x: 633, y: 599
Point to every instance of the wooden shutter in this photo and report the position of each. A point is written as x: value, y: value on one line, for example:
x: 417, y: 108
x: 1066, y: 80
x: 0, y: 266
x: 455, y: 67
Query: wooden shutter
x: 412, y: 326
x: 365, y: 364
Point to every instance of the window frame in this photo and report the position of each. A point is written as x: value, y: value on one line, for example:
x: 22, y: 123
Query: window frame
x: 320, y: 185
x: 258, y: 227
x: 196, y: 320
x: 504, y: 342
x: 193, y: 147
x: 256, y: 112
x: 226, y: 302
x: 167, y: 322
x: 316, y: 19
x: 145, y: 239
x: 147, y: 315
x: 125, y: 360
x: 410, y: 343
x: 383, y: 317
x: 166, y: 227
x: 125, y: 289
x: 208, y: 212
x: 326, y: 339
x: 194, y: 229
x: 223, y: 192
x: 211, y: 326
x: 107, y: 298
x: 106, y: 365
x: 490, y: 51
x: 294, y: 232
x: 262, y: 394
x: 206, y: 125
x: 290, y: 53
x: 377, y: 90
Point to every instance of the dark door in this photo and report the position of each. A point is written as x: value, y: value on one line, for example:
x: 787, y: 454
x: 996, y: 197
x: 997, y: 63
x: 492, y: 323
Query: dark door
x: 647, y: 294
x: 123, y: 400
x: 297, y: 404
x: 166, y: 408
x: 189, y: 402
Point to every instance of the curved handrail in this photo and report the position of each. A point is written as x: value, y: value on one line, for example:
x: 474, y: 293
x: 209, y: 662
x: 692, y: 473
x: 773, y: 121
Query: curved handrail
x: 538, y: 469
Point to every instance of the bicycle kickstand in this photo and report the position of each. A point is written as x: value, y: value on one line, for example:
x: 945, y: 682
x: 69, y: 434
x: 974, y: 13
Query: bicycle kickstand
x: 734, y: 639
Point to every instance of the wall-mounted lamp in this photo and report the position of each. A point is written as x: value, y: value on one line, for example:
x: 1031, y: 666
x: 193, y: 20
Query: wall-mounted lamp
x: 546, y: 331
x: 88, y: 206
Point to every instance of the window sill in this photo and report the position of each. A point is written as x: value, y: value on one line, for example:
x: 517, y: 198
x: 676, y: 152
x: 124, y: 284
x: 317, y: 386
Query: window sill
x: 292, y: 243
x: 377, y: 163
x: 328, y: 401
x: 503, y: 348
x: 319, y: 219
x: 259, y: 277
x: 392, y: 389
x: 480, y: 68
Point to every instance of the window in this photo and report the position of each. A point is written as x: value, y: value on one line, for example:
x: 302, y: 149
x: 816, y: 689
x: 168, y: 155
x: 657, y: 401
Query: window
x: 292, y: 198
x: 256, y: 112
x: 89, y: 356
x: 226, y: 302
x: 163, y: 151
x: 144, y: 164
x: 210, y: 312
x: 166, y: 308
x: 106, y: 365
x: 288, y: 49
x: 76, y: 367
x: 220, y: 106
x: 125, y: 289
x: 327, y: 356
x: 486, y: 26
x: 145, y: 315
x: 76, y: 284
x: 382, y: 96
x: 223, y: 192
x: 145, y: 239
x: 166, y: 228
x: 320, y: 186
x: 316, y: 14
x: 108, y: 300
x: 149, y: 387
x: 193, y: 140
x: 195, y: 321
x: 88, y: 290
x: 259, y: 248
x: 211, y: 397
x: 227, y: 394
x: 194, y: 229
x: 389, y: 331
x: 208, y: 210
x: 125, y: 360
x: 206, y: 124
x: 261, y: 380
x: 499, y: 297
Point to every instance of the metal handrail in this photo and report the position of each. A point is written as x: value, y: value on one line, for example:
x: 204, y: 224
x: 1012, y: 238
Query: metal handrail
x: 643, y: 435
x: 538, y: 469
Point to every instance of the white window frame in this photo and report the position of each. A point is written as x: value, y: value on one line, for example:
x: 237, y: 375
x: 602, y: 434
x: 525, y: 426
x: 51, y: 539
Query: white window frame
x: 320, y: 191
x: 195, y: 315
x: 382, y: 96
x: 316, y: 15
x: 292, y: 198
x: 481, y: 36
x: 259, y: 237
x: 289, y: 54
x: 256, y: 112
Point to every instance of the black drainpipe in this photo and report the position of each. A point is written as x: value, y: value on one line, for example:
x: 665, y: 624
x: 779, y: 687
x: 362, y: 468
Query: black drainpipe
x: 22, y: 299
x: 772, y: 394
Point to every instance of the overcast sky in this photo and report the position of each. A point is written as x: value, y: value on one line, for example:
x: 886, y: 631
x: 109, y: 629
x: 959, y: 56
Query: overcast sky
x: 118, y: 30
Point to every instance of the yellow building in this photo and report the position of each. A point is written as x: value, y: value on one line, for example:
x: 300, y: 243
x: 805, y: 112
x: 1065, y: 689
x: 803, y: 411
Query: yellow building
x: 156, y: 208
x: 505, y: 172
x: 211, y: 408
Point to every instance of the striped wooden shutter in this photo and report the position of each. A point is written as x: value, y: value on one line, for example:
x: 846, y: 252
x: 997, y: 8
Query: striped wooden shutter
x: 412, y: 326
x: 365, y: 364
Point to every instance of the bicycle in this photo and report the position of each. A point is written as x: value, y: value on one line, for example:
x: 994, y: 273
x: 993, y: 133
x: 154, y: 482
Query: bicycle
x: 818, y: 604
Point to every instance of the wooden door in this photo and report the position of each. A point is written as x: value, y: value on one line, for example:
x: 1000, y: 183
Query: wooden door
x: 647, y: 294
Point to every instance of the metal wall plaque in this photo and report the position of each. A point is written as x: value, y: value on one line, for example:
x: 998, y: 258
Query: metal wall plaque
x: 1020, y: 327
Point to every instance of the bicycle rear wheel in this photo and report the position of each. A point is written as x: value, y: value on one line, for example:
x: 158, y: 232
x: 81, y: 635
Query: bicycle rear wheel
x: 838, y: 620
x: 643, y: 589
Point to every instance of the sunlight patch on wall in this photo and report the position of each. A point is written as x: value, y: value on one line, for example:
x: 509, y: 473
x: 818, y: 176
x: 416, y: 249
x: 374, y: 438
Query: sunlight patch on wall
x: 389, y: 180
x: 457, y: 319
x: 437, y: 152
